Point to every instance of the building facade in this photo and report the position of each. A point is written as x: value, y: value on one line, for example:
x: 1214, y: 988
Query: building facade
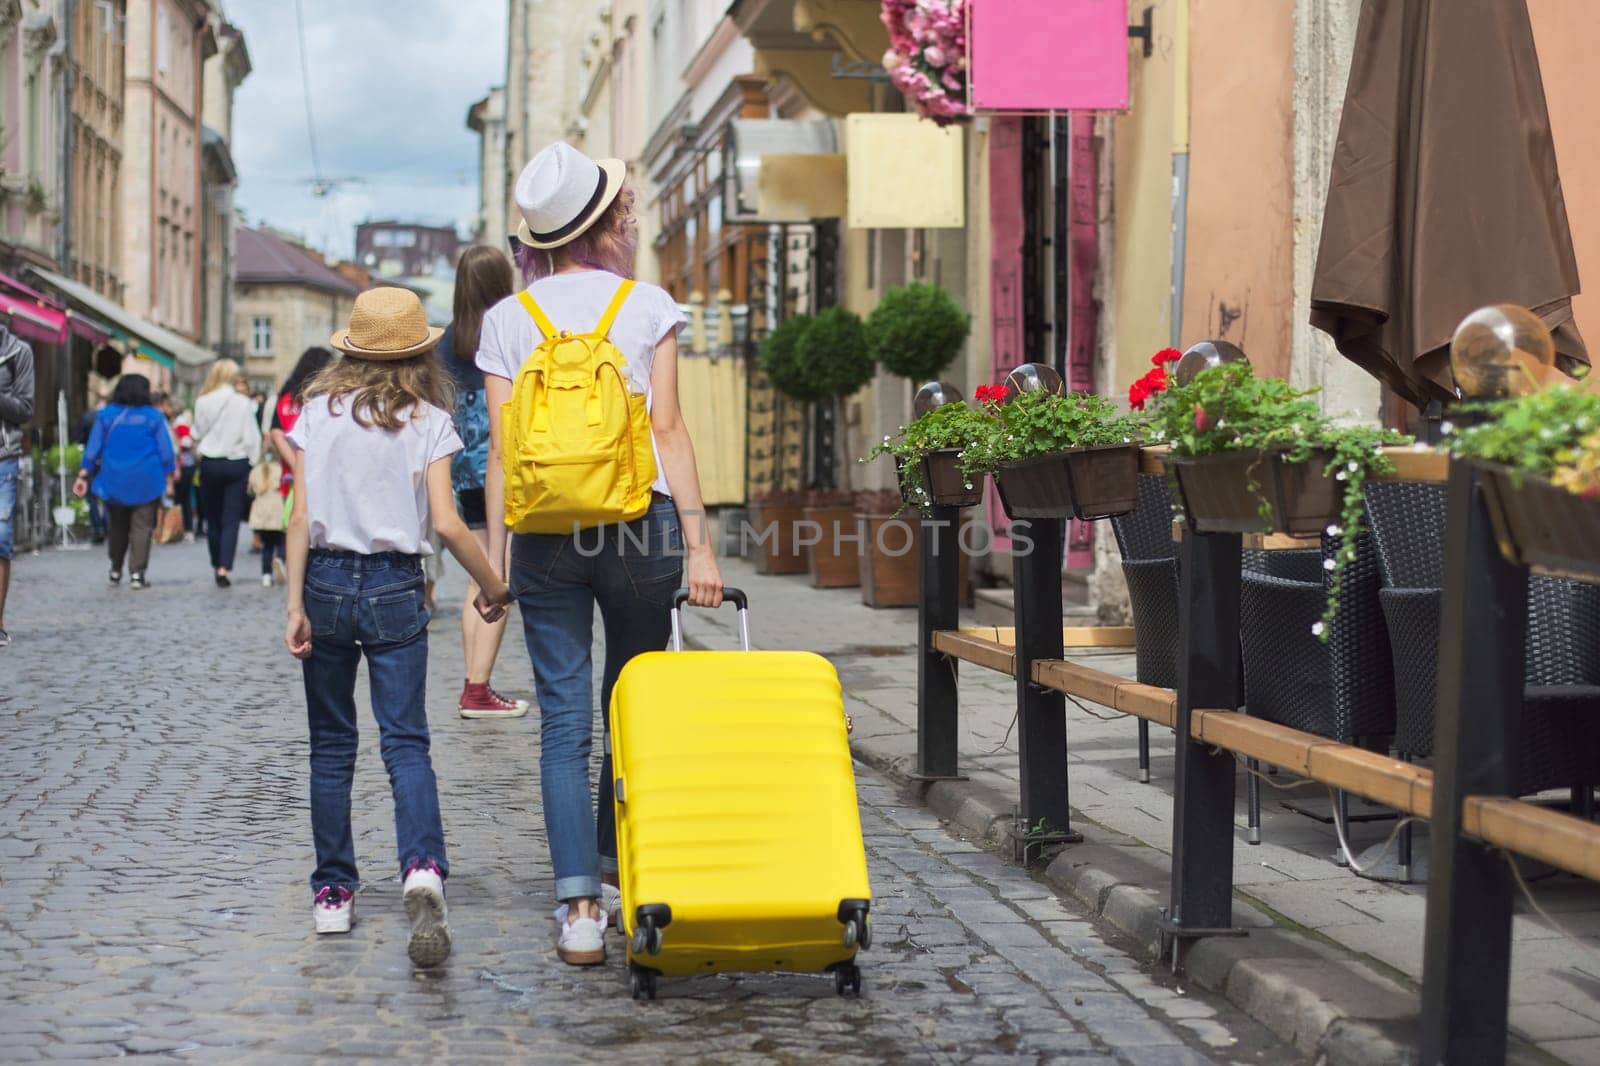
x: 286, y: 299
x: 487, y: 118
x: 168, y: 42
x: 224, y: 72
x: 405, y: 249
x: 94, y: 235
x: 32, y: 90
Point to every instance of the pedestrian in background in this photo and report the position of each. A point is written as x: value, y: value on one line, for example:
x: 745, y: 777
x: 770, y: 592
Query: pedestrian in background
x: 285, y: 412
x: 266, y: 513
x: 229, y: 439
x: 579, y: 237
x: 16, y: 411
x: 129, y: 463
x: 483, y: 279
x: 97, y: 508
x: 371, y: 450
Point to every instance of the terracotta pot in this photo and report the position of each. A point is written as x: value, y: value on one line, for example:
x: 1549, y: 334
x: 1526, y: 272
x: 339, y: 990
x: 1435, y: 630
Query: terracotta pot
x: 1288, y: 497
x: 1540, y: 524
x: 947, y: 485
x: 1084, y: 483
x: 776, y: 551
x: 835, y: 558
x: 889, y: 549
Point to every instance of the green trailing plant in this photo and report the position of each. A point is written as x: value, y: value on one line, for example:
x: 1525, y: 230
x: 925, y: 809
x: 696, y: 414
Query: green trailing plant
x: 1042, y: 423
x: 1543, y: 434
x: 954, y: 425
x: 1227, y: 408
x: 917, y: 331
x: 74, y: 457
x: 36, y: 200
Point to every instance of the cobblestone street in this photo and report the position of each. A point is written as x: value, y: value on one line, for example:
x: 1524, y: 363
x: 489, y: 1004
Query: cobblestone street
x: 153, y: 896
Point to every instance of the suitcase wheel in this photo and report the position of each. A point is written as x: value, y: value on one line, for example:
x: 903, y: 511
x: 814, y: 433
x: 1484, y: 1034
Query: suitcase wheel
x: 647, y: 939
x: 642, y: 983
x: 847, y: 978
x: 857, y: 931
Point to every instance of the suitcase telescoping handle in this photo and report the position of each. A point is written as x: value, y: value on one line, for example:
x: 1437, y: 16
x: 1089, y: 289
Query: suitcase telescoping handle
x: 729, y: 595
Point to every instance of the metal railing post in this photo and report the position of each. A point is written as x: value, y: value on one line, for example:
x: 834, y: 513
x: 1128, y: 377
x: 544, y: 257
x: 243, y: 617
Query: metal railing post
x: 1466, y: 962
x: 1044, y: 816
x: 1203, y: 780
x: 938, y: 607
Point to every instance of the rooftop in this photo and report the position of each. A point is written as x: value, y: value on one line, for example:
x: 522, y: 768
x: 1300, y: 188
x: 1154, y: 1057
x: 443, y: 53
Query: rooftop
x: 264, y: 258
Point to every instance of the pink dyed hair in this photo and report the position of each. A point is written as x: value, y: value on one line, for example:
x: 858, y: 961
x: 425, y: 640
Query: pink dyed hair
x: 610, y: 244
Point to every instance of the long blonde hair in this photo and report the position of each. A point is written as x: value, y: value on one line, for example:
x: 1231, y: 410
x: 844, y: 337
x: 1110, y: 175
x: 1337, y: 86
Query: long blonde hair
x: 382, y: 393
x: 223, y: 373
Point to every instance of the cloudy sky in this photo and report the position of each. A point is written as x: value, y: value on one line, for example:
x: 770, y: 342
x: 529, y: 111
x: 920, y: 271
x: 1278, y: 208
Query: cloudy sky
x: 391, y: 81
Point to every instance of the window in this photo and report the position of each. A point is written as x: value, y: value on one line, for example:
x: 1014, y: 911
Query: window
x: 163, y: 40
x: 261, y: 335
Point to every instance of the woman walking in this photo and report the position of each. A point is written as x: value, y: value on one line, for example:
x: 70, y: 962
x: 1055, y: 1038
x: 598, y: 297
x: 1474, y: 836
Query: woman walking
x: 129, y: 463
x: 372, y: 448
x: 285, y: 412
x: 229, y: 439
x: 483, y: 279
x: 578, y: 237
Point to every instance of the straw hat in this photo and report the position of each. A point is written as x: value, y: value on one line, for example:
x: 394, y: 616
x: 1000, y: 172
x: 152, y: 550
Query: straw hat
x: 387, y: 323
x: 563, y: 192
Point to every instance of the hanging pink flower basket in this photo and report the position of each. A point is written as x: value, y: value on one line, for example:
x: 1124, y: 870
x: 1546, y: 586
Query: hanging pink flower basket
x: 927, y: 57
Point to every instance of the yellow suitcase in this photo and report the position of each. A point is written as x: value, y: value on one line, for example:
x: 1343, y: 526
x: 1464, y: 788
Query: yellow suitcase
x: 738, y: 835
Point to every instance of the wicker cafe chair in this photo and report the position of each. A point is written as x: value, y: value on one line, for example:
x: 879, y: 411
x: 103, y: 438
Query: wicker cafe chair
x: 1150, y: 565
x: 1558, y: 746
x: 1341, y: 688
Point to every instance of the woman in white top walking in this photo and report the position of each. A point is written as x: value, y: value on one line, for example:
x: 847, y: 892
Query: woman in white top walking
x: 230, y: 439
x: 578, y: 239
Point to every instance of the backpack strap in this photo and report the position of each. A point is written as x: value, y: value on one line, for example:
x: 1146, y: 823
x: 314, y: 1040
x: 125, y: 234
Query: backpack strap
x: 535, y: 312
x: 614, y: 307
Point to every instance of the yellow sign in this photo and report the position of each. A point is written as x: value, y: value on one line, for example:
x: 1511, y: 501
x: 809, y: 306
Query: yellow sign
x: 905, y: 173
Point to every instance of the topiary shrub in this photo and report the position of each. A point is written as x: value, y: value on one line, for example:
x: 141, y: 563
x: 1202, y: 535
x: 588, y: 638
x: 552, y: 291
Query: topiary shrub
x: 780, y: 357
x: 832, y: 356
x: 917, y: 331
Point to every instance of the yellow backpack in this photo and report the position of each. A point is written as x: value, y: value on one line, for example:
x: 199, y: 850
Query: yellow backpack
x: 577, y: 450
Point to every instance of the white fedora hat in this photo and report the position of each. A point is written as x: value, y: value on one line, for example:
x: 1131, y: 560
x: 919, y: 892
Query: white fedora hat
x: 562, y: 192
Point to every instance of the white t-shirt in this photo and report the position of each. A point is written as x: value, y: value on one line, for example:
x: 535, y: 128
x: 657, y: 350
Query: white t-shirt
x: 575, y: 302
x: 366, y: 488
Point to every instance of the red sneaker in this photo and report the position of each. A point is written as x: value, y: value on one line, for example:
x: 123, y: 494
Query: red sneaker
x: 481, y: 701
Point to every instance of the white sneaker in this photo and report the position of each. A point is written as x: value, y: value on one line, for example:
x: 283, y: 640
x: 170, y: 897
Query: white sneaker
x: 611, y: 901
x: 430, y: 932
x: 266, y: 581
x: 280, y: 573
x: 582, y: 942
x: 334, y: 909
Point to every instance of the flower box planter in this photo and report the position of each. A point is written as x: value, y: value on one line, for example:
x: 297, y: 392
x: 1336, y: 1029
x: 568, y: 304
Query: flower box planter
x: 775, y: 550
x: 835, y: 558
x: 1542, y: 525
x: 945, y: 482
x: 1083, y: 483
x: 888, y: 560
x: 1217, y: 494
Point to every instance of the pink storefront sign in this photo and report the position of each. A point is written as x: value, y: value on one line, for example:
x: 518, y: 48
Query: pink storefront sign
x: 1048, y: 55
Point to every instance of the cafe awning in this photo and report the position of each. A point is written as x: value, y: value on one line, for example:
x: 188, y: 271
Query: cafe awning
x: 153, y: 341
x: 33, y: 321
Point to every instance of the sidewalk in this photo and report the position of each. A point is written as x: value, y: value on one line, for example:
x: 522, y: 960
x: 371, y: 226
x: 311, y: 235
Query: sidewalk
x: 1332, y: 962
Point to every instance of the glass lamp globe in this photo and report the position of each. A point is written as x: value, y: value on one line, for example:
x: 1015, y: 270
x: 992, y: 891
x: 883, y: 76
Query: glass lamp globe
x: 935, y: 394
x: 1034, y: 377
x: 1501, y: 351
x: 1204, y: 356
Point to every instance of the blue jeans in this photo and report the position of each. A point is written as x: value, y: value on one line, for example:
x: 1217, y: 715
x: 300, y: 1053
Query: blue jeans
x: 372, y: 605
x: 8, y: 505
x: 631, y: 571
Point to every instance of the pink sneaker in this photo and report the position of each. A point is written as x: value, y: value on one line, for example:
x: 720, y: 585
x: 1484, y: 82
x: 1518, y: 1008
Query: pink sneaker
x: 481, y: 701
x: 334, y: 909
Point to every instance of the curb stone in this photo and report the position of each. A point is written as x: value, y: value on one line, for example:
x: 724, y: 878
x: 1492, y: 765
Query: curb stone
x: 1307, y: 992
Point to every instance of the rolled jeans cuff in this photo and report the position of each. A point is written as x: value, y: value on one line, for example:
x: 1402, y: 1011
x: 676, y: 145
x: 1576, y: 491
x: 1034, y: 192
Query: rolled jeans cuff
x: 577, y: 888
x: 609, y: 865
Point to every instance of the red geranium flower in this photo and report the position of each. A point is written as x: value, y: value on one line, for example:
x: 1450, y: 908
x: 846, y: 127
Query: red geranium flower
x: 1202, y: 421
x: 1166, y: 355
x: 992, y: 393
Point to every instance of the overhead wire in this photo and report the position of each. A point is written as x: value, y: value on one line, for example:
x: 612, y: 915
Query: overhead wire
x: 305, y: 89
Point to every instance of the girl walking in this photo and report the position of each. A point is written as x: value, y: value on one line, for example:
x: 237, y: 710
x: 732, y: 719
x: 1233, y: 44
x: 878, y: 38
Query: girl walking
x: 483, y: 279
x: 578, y: 240
x: 229, y: 439
x: 129, y: 463
x: 371, y: 451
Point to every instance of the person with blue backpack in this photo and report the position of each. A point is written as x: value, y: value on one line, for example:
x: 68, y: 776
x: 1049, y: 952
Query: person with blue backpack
x: 483, y: 279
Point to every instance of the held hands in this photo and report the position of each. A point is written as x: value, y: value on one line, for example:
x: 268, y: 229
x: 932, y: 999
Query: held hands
x: 491, y: 603
x: 298, y: 634
x: 80, y: 487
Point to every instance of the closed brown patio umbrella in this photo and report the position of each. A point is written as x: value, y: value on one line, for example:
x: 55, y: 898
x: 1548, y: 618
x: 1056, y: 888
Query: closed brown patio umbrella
x: 1444, y: 195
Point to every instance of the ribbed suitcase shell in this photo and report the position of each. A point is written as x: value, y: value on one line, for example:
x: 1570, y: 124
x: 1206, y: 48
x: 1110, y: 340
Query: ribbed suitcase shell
x: 736, y: 808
